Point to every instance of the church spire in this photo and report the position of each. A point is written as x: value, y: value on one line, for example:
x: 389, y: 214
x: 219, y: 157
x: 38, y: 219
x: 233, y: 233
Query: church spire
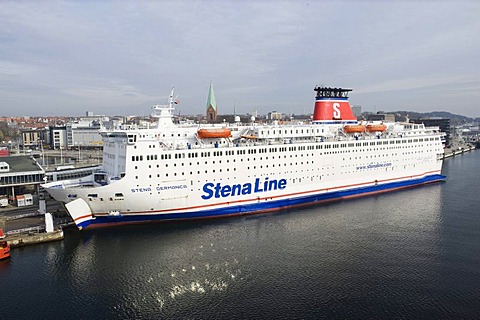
x: 211, y: 105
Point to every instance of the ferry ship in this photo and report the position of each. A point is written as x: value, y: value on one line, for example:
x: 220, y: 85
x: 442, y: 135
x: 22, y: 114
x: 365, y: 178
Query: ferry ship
x: 174, y: 172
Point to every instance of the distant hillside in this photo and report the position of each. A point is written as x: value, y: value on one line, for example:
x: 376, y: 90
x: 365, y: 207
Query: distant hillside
x: 455, y: 119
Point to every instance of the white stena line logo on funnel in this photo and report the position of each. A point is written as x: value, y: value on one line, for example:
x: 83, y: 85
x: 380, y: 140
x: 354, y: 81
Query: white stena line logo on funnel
x: 336, y: 110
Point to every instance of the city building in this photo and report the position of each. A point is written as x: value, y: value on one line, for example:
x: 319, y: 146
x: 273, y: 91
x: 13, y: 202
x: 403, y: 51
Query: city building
x: 275, y: 115
x: 58, y: 137
x: 79, y: 133
x: 85, y: 133
x: 34, y: 138
x: 357, y: 110
x: 381, y: 117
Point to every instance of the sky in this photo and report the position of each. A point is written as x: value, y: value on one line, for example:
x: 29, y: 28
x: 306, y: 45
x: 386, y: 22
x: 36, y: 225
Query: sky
x: 122, y: 57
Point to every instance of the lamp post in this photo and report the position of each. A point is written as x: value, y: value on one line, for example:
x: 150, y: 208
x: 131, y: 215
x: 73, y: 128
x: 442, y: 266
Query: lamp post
x: 43, y: 154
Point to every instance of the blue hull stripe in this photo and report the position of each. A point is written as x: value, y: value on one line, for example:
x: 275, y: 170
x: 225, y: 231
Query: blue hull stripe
x: 262, y: 205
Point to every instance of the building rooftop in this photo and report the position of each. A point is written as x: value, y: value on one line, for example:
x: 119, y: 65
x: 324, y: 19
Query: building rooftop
x: 21, y: 164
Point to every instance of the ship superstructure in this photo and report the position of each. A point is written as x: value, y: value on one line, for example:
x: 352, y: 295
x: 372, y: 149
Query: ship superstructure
x: 174, y: 172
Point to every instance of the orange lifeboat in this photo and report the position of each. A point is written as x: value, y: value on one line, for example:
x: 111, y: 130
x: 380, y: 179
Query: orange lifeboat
x: 376, y: 127
x: 4, y: 246
x: 248, y: 136
x: 214, y: 133
x: 354, y: 128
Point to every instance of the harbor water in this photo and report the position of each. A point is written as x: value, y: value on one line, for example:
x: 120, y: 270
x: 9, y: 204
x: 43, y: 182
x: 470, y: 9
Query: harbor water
x: 411, y: 254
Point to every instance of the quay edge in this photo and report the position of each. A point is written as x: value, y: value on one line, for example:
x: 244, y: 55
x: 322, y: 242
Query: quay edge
x: 20, y: 240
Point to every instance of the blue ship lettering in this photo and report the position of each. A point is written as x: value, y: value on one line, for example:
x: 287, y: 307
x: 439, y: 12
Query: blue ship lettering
x: 222, y: 191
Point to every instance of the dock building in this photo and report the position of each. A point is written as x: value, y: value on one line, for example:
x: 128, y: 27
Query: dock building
x: 19, y: 175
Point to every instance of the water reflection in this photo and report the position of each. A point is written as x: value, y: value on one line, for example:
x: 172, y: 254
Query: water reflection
x: 150, y: 270
x: 387, y: 256
x: 166, y: 267
x: 4, y: 266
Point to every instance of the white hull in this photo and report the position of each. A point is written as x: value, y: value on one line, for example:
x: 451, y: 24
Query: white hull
x: 169, y: 174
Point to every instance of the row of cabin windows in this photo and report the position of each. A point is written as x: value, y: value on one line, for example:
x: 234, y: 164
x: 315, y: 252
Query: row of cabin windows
x: 94, y: 196
x: 272, y: 165
x: 296, y: 155
x: 149, y: 157
x: 173, y: 135
x: 333, y: 152
x: 291, y: 131
x: 206, y: 154
x: 219, y: 153
x: 281, y: 149
x: 254, y: 167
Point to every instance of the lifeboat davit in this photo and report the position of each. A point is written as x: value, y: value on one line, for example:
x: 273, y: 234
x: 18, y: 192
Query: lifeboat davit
x: 354, y: 128
x: 214, y: 133
x: 4, y: 246
x: 376, y: 127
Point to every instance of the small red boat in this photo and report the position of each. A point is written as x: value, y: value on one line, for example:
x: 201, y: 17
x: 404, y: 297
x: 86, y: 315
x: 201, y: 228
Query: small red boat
x: 4, y: 246
x: 214, y: 133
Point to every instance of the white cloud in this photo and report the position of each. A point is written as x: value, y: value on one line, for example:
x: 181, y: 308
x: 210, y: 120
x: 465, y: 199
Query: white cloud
x: 9, y: 68
x: 267, y: 54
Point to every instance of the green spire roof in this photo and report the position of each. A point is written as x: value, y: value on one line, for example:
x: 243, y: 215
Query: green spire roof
x: 211, y: 98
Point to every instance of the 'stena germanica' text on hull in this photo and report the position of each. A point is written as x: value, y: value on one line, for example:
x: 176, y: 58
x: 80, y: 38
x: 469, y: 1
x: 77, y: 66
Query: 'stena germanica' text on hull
x: 174, y: 172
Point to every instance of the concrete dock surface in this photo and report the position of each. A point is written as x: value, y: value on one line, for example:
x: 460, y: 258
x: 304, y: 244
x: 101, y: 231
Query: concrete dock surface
x: 26, y: 225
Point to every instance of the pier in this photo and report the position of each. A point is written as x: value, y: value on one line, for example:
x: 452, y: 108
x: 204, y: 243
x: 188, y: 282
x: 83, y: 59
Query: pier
x: 451, y: 152
x: 30, y: 236
x: 27, y: 226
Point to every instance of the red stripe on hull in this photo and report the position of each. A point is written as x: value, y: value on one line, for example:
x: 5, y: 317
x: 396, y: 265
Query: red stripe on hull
x: 82, y: 217
x: 263, y: 211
